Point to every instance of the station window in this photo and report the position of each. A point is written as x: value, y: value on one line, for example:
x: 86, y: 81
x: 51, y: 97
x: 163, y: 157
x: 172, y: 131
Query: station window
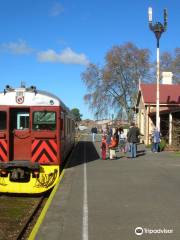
x: 44, y: 120
x: 3, y: 118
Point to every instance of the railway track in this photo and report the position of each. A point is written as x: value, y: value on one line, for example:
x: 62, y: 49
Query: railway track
x: 17, y: 214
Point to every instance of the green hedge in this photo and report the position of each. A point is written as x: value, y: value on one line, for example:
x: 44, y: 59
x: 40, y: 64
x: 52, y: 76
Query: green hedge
x: 162, y: 144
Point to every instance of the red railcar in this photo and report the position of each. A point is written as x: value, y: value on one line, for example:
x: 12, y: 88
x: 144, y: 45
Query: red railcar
x: 36, y: 134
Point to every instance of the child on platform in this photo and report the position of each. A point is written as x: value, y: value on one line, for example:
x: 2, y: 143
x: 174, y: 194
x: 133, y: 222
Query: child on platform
x: 112, y: 147
x: 103, y: 148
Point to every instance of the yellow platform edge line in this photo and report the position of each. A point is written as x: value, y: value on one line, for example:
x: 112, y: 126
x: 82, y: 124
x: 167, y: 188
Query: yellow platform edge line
x: 44, y: 211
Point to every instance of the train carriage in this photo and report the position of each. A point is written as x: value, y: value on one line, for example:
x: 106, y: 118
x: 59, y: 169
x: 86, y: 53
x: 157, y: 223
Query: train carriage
x: 36, y: 134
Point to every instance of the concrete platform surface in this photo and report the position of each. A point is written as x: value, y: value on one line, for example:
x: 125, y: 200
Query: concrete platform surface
x: 108, y: 199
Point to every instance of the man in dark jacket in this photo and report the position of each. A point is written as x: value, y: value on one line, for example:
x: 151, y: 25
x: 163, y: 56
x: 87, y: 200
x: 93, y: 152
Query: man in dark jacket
x: 94, y: 132
x: 133, y: 138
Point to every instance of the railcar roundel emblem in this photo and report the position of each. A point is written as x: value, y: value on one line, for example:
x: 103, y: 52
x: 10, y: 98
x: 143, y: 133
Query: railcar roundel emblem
x: 19, y: 99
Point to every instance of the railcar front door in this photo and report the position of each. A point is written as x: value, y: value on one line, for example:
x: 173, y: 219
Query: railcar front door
x: 20, y: 137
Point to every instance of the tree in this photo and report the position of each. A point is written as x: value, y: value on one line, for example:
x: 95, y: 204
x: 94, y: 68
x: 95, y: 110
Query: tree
x: 115, y: 85
x: 171, y: 63
x: 76, y: 113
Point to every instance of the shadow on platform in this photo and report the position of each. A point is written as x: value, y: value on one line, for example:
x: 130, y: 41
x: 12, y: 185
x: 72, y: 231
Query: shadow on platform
x: 84, y: 151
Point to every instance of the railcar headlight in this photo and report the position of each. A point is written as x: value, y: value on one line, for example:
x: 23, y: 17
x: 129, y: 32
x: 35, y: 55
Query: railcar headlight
x: 3, y: 172
x: 35, y: 174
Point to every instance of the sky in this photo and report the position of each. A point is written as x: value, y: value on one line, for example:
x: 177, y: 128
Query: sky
x: 49, y: 43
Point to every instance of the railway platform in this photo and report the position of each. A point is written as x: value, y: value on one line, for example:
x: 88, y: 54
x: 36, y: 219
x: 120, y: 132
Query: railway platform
x: 113, y: 199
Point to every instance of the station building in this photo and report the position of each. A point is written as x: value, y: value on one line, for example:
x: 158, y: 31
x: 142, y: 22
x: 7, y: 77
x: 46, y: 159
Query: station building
x: 169, y: 105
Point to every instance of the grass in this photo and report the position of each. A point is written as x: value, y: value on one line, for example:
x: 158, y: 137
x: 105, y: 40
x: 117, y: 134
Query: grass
x: 177, y: 153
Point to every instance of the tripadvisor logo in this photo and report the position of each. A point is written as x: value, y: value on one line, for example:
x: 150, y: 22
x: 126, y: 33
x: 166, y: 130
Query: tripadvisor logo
x: 139, y: 231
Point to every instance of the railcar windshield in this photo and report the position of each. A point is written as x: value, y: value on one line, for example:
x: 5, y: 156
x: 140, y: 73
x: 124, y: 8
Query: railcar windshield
x: 44, y: 120
x: 3, y: 118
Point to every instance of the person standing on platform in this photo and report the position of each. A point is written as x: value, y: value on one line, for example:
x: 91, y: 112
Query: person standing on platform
x: 156, y: 140
x: 116, y: 134
x: 108, y: 135
x: 94, y: 132
x: 133, y: 139
x: 103, y: 148
x: 122, y: 140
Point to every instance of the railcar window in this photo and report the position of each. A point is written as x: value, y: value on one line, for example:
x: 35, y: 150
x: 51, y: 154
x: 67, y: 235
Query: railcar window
x: 73, y: 126
x: 44, y: 120
x: 3, y: 118
x: 68, y: 126
x: 62, y: 125
x: 22, y: 121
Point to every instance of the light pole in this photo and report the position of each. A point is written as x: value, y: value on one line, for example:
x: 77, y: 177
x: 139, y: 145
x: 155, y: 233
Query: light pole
x: 158, y: 29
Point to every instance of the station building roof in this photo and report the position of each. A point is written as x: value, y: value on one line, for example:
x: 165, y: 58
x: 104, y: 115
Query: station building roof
x: 169, y: 93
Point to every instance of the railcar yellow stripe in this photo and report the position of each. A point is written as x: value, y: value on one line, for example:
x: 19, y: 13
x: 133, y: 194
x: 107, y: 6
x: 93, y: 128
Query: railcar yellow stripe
x: 44, y: 211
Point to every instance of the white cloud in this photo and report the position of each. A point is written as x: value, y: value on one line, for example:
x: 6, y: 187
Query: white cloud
x: 56, y: 9
x: 20, y: 47
x: 67, y: 56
